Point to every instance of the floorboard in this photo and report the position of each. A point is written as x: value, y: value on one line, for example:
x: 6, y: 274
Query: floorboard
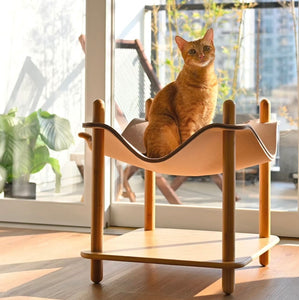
x: 40, y: 264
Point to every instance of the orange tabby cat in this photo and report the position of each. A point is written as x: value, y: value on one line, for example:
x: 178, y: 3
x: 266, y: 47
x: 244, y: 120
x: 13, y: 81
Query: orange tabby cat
x: 187, y: 104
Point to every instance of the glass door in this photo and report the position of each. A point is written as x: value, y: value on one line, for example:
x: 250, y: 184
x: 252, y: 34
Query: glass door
x: 256, y: 58
x: 42, y: 110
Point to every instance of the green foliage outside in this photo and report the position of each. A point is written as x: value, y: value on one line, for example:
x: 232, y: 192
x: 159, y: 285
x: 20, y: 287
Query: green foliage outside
x: 194, y: 24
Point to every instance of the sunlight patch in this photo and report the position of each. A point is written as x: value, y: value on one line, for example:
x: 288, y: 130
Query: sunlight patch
x: 26, y: 298
x: 12, y: 280
x: 211, y: 290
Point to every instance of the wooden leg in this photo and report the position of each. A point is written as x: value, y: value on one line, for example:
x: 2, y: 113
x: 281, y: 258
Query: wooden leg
x: 128, y: 173
x: 228, y: 219
x: 166, y: 190
x: 264, y: 209
x: 217, y: 179
x: 177, y: 182
x: 96, y: 271
x: 149, y: 200
x: 228, y: 281
x: 265, y: 186
x: 119, y: 180
x: 98, y: 193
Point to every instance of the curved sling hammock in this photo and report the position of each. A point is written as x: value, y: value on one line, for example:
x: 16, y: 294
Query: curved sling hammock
x: 200, y: 155
x: 217, y: 148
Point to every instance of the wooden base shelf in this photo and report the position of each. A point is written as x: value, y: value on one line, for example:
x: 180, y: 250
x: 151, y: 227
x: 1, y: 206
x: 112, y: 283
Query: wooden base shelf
x: 181, y: 247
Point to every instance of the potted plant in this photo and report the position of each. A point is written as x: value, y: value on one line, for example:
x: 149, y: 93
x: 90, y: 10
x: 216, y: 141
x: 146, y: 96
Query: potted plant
x: 24, y: 149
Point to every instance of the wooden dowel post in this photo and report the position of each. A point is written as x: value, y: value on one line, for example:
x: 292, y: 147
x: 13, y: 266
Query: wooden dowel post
x: 149, y: 200
x: 149, y: 187
x: 265, y: 188
x: 98, y: 192
x: 228, y: 230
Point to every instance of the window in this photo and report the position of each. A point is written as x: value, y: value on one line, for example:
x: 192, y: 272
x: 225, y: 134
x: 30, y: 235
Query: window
x: 43, y: 72
x: 268, y: 76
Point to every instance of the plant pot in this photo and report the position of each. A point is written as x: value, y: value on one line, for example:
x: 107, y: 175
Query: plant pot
x: 25, y: 190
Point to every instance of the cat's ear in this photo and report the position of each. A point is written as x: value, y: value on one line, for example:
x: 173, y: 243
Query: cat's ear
x: 209, y: 36
x: 180, y: 42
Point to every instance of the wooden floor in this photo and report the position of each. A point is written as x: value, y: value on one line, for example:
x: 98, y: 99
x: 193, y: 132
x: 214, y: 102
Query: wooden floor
x: 39, y: 264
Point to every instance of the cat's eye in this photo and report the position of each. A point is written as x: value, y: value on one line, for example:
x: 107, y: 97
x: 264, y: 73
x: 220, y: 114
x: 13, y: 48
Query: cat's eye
x: 192, y: 51
x: 206, y: 48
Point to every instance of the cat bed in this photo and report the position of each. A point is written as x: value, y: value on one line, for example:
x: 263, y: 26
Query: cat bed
x: 204, y: 148
x: 217, y: 148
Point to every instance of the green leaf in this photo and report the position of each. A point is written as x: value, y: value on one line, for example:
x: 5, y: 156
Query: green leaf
x: 2, y: 144
x: 44, y: 114
x: 40, y: 159
x: 12, y: 112
x: 225, y: 50
x: 14, y: 149
x: 3, y: 175
x: 55, y: 131
x: 56, y: 169
x: 17, y: 158
x: 29, y: 129
x: 168, y: 62
x: 8, y: 123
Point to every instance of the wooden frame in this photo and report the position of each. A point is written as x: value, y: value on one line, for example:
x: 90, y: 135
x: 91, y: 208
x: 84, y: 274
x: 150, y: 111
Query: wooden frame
x: 226, y: 250
x: 30, y: 72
